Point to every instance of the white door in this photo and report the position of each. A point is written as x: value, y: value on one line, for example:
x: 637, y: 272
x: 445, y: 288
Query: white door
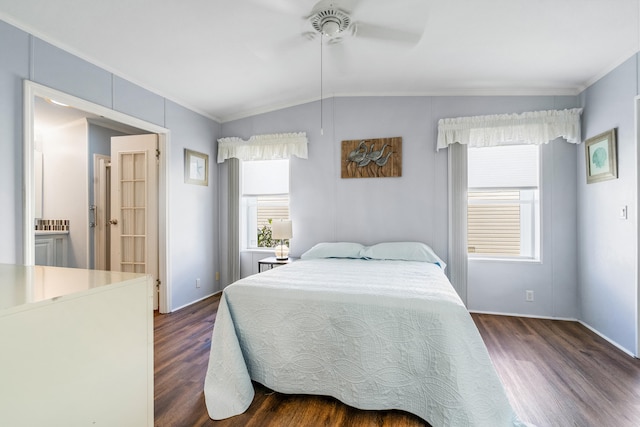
x: 134, y: 205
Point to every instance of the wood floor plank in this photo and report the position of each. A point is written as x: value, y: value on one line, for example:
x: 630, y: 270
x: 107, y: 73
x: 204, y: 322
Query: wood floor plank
x: 556, y: 373
x: 559, y: 373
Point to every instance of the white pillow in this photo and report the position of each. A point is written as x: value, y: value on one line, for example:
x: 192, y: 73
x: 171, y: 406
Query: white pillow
x: 333, y: 250
x: 405, y: 251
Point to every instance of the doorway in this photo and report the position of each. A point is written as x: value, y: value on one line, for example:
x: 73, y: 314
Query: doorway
x: 637, y: 129
x: 32, y: 92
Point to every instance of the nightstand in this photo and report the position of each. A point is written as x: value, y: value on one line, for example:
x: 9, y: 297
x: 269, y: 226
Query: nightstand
x: 273, y: 262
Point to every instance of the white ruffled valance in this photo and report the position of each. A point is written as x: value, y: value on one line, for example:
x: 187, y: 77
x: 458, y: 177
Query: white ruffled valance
x: 264, y: 147
x: 537, y: 127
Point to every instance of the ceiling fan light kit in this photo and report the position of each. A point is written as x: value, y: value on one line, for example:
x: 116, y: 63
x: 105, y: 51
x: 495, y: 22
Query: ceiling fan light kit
x: 330, y: 22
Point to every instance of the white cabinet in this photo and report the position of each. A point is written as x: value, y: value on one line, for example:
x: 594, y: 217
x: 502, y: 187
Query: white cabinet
x: 52, y: 249
x: 77, y: 347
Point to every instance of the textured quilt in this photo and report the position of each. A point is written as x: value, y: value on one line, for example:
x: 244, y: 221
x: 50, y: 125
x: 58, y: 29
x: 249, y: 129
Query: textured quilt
x: 373, y: 334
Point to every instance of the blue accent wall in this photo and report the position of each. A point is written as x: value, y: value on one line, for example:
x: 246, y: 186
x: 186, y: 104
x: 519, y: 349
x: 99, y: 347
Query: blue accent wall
x: 607, y: 245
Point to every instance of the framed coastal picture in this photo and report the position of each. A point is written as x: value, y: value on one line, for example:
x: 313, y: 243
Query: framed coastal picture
x: 196, y: 167
x: 600, y: 154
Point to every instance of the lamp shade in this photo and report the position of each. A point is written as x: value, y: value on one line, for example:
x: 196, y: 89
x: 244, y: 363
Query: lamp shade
x: 281, y: 229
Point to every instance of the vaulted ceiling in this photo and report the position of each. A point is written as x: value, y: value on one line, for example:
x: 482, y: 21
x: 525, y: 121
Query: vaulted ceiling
x: 233, y: 58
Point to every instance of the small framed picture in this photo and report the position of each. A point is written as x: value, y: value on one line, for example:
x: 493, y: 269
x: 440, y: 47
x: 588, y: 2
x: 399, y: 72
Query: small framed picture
x: 196, y: 167
x: 600, y: 153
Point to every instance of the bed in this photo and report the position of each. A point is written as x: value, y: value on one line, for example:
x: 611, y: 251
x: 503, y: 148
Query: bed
x: 376, y: 327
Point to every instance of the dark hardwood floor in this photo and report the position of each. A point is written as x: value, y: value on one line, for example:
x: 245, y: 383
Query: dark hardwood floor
x: 559, y: 373
x: 556, y: 373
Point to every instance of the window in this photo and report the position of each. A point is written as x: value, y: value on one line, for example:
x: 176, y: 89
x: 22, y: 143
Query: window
x: 503, y: 210
x: 264, y: 197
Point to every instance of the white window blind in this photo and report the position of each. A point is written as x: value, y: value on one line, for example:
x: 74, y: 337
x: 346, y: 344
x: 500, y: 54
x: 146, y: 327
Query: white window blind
x: 265, y: 177
x: 503, y: 166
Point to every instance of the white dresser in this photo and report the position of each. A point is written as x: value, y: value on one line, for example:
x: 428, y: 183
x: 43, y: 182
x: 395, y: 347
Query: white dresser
x: 76, y: 347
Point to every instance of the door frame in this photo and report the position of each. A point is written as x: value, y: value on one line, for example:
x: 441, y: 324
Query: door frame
x: 32, y: 90
x: 636, y: 117
x: 101, y: 203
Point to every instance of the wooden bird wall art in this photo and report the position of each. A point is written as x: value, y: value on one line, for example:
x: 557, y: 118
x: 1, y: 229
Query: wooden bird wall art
x: 371, y: 158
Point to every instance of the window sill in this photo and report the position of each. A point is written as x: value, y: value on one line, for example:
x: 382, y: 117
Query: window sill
x: 259, y: 250
x: 506, y: 260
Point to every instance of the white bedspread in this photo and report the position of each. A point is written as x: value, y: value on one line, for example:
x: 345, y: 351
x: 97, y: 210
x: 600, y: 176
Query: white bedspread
x: 373, y: 334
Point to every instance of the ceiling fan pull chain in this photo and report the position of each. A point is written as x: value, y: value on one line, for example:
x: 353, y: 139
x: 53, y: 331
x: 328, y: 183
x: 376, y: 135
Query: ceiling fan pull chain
x: 321, y: 113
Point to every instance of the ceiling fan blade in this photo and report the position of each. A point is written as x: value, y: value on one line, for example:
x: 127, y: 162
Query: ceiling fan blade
x: 289, y: 7
x: 268, y: 50
x: 338, y: 58
x: 377, y: 32
x: 350, y: 6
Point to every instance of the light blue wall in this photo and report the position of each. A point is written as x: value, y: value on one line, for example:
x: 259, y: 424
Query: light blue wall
x: 325, y: 207
x: 607, y: 245
x: 192, y: 210
x: 14, y: 67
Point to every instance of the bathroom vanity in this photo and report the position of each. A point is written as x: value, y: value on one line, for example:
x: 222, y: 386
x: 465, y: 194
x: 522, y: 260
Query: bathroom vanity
x: 77, y: 347
x: 52, y: 248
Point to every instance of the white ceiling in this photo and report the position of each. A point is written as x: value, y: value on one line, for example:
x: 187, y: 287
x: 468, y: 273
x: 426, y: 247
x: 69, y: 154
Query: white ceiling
x: 233, y: 58
x: 49, y: 116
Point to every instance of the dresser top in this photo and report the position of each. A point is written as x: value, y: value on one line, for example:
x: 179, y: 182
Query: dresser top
x: 25, y: 285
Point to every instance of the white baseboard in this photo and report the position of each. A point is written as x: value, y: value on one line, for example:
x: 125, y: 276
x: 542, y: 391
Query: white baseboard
x: 531, y: 316
x: 193, y: 302
x: 610, y: 341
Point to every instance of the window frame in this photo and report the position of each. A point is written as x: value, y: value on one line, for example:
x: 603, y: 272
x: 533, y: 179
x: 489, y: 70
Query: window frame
x: 250, y: 202
x: 536, y: 234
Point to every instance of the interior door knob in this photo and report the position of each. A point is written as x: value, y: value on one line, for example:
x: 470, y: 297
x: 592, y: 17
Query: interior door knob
x: 113, y: 221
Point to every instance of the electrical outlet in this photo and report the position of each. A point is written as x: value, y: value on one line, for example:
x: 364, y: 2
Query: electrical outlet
x: 197, y: 283
x: 528, y: 296
x: 217, y: 275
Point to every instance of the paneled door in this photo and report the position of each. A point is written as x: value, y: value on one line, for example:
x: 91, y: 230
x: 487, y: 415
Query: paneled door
x: 134, y: 205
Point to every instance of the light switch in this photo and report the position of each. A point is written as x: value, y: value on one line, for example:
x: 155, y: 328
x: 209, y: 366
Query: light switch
x: 623, y: 212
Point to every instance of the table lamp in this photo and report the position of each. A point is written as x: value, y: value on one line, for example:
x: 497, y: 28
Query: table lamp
x: 281, y: 230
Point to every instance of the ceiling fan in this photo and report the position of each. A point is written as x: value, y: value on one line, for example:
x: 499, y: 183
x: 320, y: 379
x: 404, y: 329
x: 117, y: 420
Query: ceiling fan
x: 334, y: 21
x: 329, y: 19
